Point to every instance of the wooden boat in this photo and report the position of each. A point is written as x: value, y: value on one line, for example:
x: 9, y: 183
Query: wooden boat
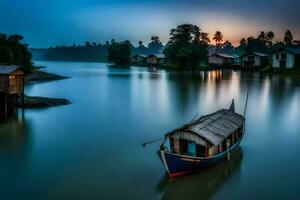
x: 202, y: 142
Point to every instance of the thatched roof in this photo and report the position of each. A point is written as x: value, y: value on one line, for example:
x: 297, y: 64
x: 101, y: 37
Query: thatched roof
x: 213, y: 128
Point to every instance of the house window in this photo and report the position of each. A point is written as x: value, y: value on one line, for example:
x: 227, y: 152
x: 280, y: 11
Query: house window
x: 277, y: 56
x: 251, y: 58
x: 283, y: 56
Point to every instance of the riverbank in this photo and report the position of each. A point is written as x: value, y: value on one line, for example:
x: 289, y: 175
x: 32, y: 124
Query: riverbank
x: 41, y: 102
x: 36, y: 76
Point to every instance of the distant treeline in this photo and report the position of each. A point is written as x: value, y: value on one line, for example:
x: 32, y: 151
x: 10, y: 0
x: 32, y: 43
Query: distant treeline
x: 92, y: 51
x: 188, y: 47
x: 13, y: 51
x: 263, y: 43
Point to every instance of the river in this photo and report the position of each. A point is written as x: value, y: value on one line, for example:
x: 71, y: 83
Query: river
x: 92, y: 148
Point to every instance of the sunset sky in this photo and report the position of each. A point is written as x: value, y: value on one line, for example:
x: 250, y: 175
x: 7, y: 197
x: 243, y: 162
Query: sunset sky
x: 45, y: 23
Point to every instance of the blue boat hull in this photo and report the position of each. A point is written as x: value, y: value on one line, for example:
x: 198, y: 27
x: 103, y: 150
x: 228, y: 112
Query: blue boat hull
x: 177, y: 165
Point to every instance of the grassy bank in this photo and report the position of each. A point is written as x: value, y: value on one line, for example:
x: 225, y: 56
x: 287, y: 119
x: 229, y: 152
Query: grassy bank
x: 41, y: 102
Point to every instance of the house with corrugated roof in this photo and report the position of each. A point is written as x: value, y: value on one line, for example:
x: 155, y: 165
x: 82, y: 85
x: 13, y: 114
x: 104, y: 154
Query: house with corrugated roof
x: 286, y: 58
x: 156, y: 59
x: 222, y: 59
x: 254, y: 60
x: 138, y: 58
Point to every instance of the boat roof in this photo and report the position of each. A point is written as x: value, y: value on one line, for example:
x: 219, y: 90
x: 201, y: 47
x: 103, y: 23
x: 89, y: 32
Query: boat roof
x: 8, y: 69
x: 213, y: 128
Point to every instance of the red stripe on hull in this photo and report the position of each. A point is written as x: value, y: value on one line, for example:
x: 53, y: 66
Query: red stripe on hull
x: 174, y: 175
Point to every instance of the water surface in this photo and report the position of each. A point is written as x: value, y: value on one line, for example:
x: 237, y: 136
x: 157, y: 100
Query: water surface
x: 92, y: 148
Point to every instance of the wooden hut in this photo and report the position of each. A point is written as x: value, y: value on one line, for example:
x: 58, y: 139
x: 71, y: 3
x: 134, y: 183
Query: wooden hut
x: 286, y: 58
x: 221, y: 59
x: 254, y: 60
x: 156, y: 59
x: 11, y: 88
x: 138, y: 58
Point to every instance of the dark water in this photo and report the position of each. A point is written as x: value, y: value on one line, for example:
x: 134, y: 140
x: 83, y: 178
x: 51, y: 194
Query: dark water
x: 92, y: 149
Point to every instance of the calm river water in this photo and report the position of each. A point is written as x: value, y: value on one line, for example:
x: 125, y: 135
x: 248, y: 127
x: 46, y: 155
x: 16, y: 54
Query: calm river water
x: 92, y: 148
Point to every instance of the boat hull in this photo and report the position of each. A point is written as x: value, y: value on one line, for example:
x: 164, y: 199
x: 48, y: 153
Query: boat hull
x: 177, y: 165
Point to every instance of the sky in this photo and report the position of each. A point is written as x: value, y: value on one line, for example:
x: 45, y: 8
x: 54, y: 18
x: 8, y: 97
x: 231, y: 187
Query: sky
x: 46, y: 23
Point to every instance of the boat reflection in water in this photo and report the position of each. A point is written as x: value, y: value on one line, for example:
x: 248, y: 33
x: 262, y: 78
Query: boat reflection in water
x: 204, y: 184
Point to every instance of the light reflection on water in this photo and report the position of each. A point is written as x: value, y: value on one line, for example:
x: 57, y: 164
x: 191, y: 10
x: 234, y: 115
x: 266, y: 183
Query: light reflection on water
x: 93, y: 147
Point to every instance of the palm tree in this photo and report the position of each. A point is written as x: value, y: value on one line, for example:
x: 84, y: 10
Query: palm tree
x: 204, y: 37
x: 288, y: 38
x: 218, y: 37
x: 243, y: 42
x: 155, y: 39
x: 262, y: 36
x: 140, y: 43
x: 269, y: 37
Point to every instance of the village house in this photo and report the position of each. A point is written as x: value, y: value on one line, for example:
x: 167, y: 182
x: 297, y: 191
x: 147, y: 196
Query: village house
x: 222, y: 59
x: 11, y: 88
x: 254, y: 60
x: 286, y: 58
x: 138, y: 58
x: 156, y: 59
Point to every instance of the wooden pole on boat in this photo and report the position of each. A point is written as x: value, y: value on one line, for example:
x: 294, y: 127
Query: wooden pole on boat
x: 154, y: 141
x: 228, y: 153
x: 246, y: 104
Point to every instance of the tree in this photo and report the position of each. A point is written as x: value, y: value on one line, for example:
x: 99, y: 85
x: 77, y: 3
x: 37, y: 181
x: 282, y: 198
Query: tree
x: 269, y: 37
x: 155, y: 46
x: 15, y: 38
x: 119, y: 52
x: 297, y: 43
x: 227, y: 46
x: 218, y: 37
x: 140, y: 44
x: 288, y: 38
x: 185, y: 49
x: 6, y: 56
x: 13, y: 51
x: 262, y: 36
x: 155, y: 39
x: 141, y: 48
x: 243, y: 42
x: 87, y: 44
x: 204, y: 38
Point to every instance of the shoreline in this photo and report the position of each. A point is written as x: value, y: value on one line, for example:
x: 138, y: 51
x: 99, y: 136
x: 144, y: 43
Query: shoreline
x: 41, y: 102
x: 37, y: 76
x: 34, y: 77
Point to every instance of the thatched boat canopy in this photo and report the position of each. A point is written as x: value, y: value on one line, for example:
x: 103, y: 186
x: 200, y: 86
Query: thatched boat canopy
x: 210, y: 129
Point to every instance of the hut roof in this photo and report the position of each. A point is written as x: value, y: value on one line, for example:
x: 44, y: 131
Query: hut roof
x: 139, y: 54
x: 8, y: 69
x: 256, y: 54
x: 213, y: 128
x: 158, y: 55
x: 224, y: 55
x: 295, y: 51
